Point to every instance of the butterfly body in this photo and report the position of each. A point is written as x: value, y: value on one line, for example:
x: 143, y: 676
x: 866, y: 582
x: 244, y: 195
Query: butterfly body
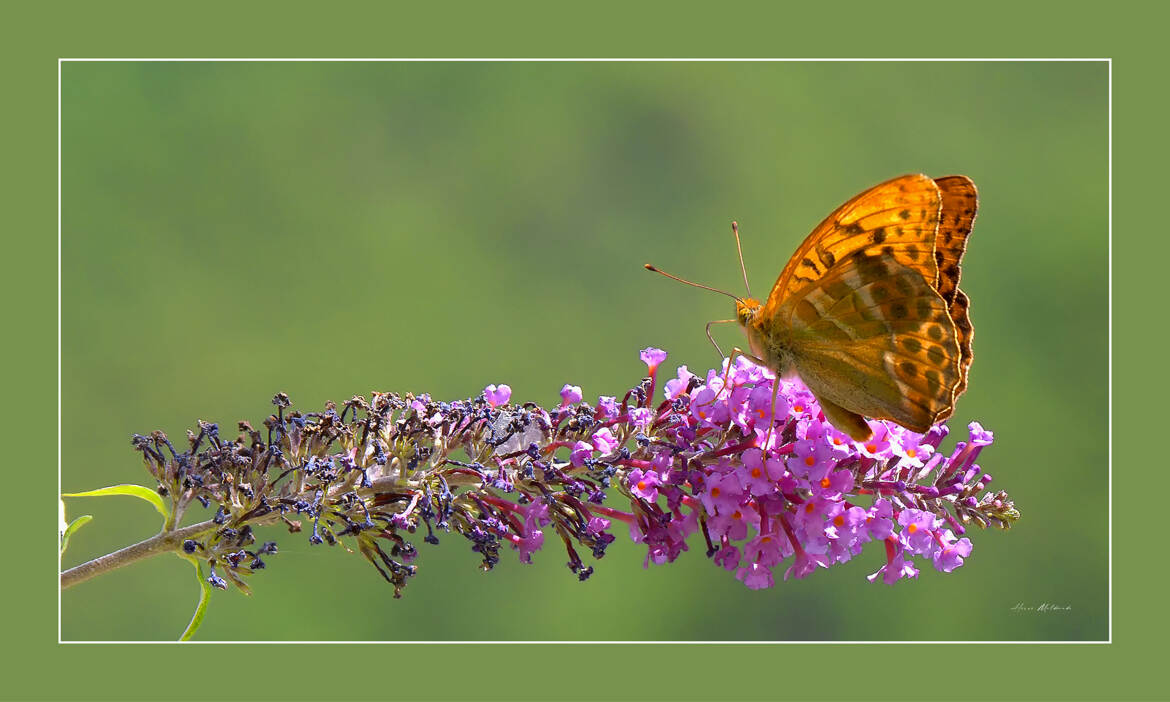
x: 868, y: 312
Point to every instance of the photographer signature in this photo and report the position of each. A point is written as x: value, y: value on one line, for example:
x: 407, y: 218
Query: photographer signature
x: 1042, y: 607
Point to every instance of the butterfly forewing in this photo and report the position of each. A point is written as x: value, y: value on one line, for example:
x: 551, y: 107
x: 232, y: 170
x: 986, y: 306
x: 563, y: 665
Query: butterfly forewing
x: 960, y: 201
x: 899, y: 216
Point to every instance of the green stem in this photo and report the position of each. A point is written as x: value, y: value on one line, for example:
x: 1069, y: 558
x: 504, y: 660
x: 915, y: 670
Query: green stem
x: 164, y: 542
x: 172, y: 542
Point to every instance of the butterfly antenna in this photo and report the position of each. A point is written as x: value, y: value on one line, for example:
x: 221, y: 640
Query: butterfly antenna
x: 739, y: 250
x: 687, y: 282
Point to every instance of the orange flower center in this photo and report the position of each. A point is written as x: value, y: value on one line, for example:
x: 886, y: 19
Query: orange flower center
x: 912, y: 528
x: 810, y: 461
x: 715, y: 492
x: 756, y: 472
x: 825, y: 482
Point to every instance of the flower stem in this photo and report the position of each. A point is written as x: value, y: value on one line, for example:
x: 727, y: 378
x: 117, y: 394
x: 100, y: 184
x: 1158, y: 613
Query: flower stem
x: 162, y: 542
x: 625, y: 517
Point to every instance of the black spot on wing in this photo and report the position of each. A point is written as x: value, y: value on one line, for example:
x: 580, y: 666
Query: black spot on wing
x: 827, y: 257
x: 923, y: 306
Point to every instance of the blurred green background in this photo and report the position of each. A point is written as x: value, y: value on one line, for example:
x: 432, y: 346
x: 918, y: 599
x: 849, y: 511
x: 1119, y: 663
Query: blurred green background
x: 231, y: 230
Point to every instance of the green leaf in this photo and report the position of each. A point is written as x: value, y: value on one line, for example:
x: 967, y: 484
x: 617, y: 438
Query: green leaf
x: 204, y: 598
x: 133, y: 490
x: 73, y: 526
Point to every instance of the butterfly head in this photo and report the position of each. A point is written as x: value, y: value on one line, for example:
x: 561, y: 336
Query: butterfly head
x: 746, y: 309
x: 748, y: 312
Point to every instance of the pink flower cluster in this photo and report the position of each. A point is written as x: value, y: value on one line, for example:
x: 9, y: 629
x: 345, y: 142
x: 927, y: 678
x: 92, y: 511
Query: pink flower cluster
x: 811, y: 497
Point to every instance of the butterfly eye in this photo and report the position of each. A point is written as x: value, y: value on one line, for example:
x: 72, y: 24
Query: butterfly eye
x: 746, y: 309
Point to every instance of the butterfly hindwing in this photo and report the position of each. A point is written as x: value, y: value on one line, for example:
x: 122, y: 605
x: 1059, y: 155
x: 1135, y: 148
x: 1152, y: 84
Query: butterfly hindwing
x: 872, y: 336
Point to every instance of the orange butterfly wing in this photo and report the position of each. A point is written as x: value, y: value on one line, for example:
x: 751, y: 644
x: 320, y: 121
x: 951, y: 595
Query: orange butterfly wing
x: 859, y: 311
x: 883, y: 345
x: 901, y: 213
x: 960, y: 201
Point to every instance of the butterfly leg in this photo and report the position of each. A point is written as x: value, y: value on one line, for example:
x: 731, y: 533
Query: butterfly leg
x: 737, y: 351
x: 775, y: 390
x: 711, y: 338
x: 771, y: 415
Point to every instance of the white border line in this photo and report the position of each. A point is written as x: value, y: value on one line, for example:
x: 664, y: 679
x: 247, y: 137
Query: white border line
x: 598, y: 643
x: 1109, y: 370
x: 615, y: 60
x: 59, y: 463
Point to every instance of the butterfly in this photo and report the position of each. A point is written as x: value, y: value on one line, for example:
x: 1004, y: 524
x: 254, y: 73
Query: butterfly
x: 868, y: 311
